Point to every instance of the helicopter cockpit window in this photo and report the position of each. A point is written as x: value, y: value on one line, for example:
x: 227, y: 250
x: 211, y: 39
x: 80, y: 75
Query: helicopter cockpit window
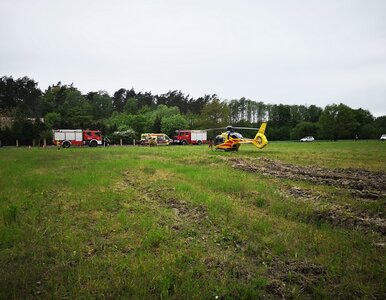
x: 218, y: 140
x: 236, y: 135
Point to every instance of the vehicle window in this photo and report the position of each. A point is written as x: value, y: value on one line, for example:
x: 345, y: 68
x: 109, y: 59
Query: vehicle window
x: 97, y: 133
x: 236, y: 135
x: 219, y: 139
x: 88, y: 133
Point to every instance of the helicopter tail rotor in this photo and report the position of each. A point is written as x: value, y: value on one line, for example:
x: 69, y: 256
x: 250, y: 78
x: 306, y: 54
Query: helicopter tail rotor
x: 260, y: 140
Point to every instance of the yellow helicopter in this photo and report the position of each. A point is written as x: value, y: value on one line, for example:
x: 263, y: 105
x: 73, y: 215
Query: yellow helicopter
x: 231, y: 140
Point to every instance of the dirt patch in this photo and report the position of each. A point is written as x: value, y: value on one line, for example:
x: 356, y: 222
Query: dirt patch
x: 214, y: 264
x: 224, y: 268
x: 283, y: 275
x: 91, y: 249
x: 163, y: 196
x: 361, y: 183
x: 302, y: 194
x: 337, y: 215
x: 144, y: 185
x: 182, y: 210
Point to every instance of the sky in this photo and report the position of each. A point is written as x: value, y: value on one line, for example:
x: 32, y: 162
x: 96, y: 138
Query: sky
x: 277, y: 51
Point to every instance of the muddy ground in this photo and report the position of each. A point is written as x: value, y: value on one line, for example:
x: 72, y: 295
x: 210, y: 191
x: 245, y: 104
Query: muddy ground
x: 364, y: 184
x: 302, y: 273
x: 336, y: 214
x: 361, y: 183
x: 282, y: 274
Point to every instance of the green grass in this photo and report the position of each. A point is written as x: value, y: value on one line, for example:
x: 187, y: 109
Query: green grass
x: 179, y: 222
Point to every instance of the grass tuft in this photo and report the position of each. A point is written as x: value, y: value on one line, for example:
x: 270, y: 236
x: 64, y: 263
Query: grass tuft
x: 11, y: 215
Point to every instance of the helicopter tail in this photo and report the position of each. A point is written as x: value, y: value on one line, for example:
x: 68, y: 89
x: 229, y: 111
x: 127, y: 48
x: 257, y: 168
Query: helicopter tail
x: 260, y: 140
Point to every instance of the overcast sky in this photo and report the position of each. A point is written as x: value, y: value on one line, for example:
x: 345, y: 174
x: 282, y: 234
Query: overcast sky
x: 288, y: 51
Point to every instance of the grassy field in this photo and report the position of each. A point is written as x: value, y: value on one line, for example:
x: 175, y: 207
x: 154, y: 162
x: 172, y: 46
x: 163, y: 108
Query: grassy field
x: 182, y: 222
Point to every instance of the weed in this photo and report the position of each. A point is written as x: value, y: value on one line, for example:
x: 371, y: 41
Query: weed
x: 149, y: 170
x: 260, y: 202
x: 154, y: 238
x: 10, y: 215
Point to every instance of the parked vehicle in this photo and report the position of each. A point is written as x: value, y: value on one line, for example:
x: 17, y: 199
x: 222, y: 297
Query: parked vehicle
x: 307, y: 139
x: 194, y: 137
x: 155, y: 139
x: 383, y: 137
x: 77, y: 137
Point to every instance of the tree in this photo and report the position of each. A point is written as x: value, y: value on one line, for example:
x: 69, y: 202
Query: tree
x: 145, y: 99
x: 314, y: 113
x: 365, y: 121
x: 303, y: 129
x: 131, y: 106
x: 29, y: 95
x: 195, y: 106
x: 8, y: 93
x: 337, y: 122
x: 327, y: 123
x: 170, y: 124
x: 22, y: 94
x: 100, y: 105
x: 156, y: 128
x: 234, y: 111
x: 215, y: 114
x: 280, y: 115
x: 125, y: 133
x: 139, y: 123
x: 346, y: 123
x: 119, y: 100
x: 380, y: 126
x: 22, y: 130
x: 367, y: 131
x: 53, y: 120
x: 174, y: 98
x: 38, y: 129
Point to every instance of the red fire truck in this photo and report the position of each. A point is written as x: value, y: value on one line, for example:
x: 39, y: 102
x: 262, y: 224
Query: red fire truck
x: 77, y: 137
x: 194, y: 137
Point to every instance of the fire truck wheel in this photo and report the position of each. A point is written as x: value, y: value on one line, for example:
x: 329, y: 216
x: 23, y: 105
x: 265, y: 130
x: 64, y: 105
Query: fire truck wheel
x: 93, y: 144
x: 199, y: 143
x: 66, y: 144
x: 184, y: 142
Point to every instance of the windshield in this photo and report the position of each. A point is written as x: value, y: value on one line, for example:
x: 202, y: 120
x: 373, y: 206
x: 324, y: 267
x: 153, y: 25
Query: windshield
x: 236, y: 135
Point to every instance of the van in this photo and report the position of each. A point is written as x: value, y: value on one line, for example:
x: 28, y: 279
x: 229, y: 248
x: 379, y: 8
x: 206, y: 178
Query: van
x: 155, y: 138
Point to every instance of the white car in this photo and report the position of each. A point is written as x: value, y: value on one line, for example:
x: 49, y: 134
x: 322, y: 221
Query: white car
x: 307, y: 139
x: 383, y: 137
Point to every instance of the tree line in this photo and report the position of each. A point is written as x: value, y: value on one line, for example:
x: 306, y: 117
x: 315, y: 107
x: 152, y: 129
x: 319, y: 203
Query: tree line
x: 27, y: 113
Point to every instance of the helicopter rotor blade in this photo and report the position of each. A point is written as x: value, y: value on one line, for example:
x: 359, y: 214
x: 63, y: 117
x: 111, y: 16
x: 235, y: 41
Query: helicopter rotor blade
x: 220, y: 128
x: 248, y: 128
x: 229, y: 127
